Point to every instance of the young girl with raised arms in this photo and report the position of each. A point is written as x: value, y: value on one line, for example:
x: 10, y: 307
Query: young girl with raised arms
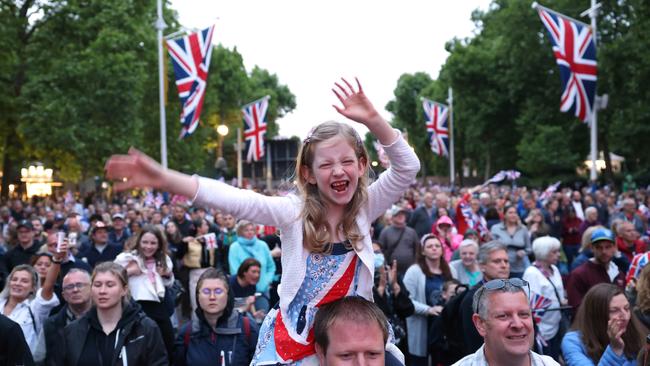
x: 326, y: 246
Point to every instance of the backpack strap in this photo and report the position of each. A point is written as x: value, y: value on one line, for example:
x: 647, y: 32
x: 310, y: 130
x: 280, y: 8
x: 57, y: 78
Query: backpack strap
x: 247, y: 327
x: 31, y: 315
x: 186, y: 336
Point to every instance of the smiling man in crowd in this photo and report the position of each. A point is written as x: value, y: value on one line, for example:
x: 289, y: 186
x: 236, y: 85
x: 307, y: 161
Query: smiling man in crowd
x: 503, y: 318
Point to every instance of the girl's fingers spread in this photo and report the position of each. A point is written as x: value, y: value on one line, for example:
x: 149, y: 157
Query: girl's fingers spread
x: 348, y: 84
x: 338, y: 96
x: 358, y: 85
x: 345, y: 92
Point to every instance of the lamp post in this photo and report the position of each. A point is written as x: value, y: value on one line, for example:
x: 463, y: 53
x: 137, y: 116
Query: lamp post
x: 222, y: 130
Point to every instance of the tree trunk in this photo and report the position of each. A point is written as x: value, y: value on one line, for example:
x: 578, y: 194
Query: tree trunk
x: 7, y: 165
x: 488, y: 163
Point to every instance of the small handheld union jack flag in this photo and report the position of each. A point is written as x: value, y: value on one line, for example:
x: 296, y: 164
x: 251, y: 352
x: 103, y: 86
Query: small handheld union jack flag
x: 539, y: 304
x: 575, y: 53
x: 191, y: 58
x: 437, y: 123
x: 255, y: 128
x: 548, y: 192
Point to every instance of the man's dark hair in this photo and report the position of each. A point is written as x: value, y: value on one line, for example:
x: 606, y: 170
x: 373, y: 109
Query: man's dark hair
x: 351, y: 309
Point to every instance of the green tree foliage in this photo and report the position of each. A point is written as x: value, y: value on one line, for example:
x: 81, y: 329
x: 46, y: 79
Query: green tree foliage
x: 80, y: 82
x: 406, y: 107
x: 507, y: 92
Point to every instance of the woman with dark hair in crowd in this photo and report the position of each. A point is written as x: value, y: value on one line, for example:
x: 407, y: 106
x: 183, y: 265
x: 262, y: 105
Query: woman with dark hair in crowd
x: 174, y: 238
x: 150, y: 272
x: 114, y: 331
x: 197, y: 255
x: 511, y: 233
x: 603, y: 332
x: 217, y: 334
x: 537, y: 227
x: 41, y: 263
x: 424, y: 281
x: 492, y: 217
x: 243, y: 288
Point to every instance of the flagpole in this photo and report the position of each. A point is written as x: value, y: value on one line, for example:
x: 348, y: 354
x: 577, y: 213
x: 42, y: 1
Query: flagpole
x: 452, y: 173
x: 239, y: 162
x: 160, y: 26
x: 593, y: 175
x: 269, y: 173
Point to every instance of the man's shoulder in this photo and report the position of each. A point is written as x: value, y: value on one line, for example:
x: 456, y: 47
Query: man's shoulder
x: 542, y: 360
x: 478, y: 359
x: 410, y: 231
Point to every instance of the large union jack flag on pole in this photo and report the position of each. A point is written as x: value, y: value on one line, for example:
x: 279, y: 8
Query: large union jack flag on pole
x: 191, y: 58
x: 437, y: 123
x: 255, y: 128
x: 575, y: 52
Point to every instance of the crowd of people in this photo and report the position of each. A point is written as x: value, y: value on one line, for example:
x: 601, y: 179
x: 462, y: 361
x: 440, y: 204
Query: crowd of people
x: 211, y: 272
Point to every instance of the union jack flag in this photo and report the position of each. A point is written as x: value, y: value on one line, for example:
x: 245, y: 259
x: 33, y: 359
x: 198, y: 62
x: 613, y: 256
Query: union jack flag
x: 575, y: 53
x: 539, y: 304
x: 549, y: 191
x: 191, y: 58
x: 638, y: 262
x: 437, y: 124
x: 468, y: 219
x: 255, y: 128
x: 503, y: 174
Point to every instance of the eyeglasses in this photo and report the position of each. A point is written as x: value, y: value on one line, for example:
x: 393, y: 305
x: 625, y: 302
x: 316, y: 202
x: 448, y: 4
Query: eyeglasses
x: 216, y: 291
x: 499, y: 284
x: 73, y: 286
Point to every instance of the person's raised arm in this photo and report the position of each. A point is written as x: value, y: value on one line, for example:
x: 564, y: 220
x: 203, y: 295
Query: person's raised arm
x: 357, y: 107
x: 137, y: 170
x: 47, y: 289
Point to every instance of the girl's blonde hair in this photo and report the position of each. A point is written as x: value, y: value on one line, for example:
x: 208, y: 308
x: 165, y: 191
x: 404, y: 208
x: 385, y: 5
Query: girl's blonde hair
x: 314, y: 215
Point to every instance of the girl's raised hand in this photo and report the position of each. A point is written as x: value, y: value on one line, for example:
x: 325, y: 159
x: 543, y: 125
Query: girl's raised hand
x: 135, y: 170
x: 356, y: 105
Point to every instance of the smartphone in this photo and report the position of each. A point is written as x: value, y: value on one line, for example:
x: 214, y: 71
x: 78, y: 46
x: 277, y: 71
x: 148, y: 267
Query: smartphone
x: 72, y: 240
x: 60, y: 237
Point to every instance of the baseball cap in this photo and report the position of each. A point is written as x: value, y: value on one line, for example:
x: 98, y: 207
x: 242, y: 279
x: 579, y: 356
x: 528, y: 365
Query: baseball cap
x: 25, y: 223
x: 398, y: 210
x: 602, y: 234
x: 99, y: 225
x: 469, y: 232
x: 118, y: 216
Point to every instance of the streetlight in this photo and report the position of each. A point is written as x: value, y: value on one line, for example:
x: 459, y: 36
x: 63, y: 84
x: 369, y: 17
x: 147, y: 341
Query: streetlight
x: 222, y: 130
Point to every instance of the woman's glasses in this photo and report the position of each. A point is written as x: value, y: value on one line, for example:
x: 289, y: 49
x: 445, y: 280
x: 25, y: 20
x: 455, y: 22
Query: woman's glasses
x: 216, y: 291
